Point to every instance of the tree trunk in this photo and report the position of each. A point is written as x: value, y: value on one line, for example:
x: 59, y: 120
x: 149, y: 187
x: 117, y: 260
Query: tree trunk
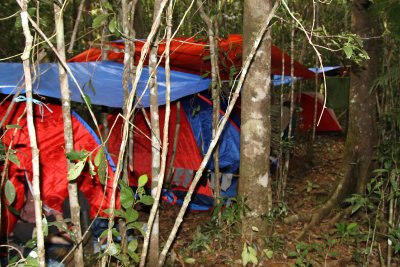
x: 68, y: 134
x: 155, y: 144
x: 360, y: 138
x: 255, y: 120
x: 32, y: 135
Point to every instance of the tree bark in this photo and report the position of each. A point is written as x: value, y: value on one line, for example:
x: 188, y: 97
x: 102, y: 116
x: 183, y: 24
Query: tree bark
x: 32, y: 134
x: 155, y: 144
x: 68, y: 134
x: 255, y: 120
x: 360, y: 138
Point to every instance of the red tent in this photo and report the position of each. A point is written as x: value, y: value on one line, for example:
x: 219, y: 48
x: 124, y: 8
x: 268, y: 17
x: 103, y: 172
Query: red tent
x: 328, y: 123
x: 191, y: 55
x: 53, y: 168
x: 187, y: 152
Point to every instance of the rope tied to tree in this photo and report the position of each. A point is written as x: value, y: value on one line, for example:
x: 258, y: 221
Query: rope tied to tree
x: 22, y: 98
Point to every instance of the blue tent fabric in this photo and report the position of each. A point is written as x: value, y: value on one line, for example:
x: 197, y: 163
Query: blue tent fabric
x: 101, y: 81
x: 199, y: 114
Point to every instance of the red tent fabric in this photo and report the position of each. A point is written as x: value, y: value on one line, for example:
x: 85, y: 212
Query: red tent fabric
x: 53, y: 169
x: 328, y: 123
x: 191, y: 55
x: 187, y: 153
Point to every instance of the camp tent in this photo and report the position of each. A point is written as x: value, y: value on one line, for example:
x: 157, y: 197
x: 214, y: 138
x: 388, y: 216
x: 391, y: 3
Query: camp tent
x: 193, y: 118
x: 191, y: 55
x: 53, y: 168
x: 328, y: 122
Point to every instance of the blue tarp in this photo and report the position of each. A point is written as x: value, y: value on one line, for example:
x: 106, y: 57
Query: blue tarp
x: 199, y: 114
x: 105, y: 79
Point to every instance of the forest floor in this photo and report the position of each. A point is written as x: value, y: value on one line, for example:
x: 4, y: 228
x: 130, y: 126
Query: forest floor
x: 334, y: 242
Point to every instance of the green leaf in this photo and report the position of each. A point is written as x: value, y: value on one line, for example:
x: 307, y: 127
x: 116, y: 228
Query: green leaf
x: 10, y: 192
x: 101, y: 162
x: 112, y: 26
x: 100, y: 156
x: 352, y: 226
x: 113, y: 249
x: 190, y: 260
x: 97, y: 21
x: 269, y: 253
x: 348, y: 50
x: 77, y: 155
x: 245, y: 255
x: 108, y: 6
x: 143, y: 180
x: 14, y: 159
x: 45, y: 226
x: 13, y: 126
x: 132, y: 246
x: 87, y: 99
x: 127, y: 196
x: 131, y: 215
x: 76, y: 170
x: 147, y: 200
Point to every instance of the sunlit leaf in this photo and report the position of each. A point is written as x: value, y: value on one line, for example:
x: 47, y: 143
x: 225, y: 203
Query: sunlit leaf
x: 190, y: 260
x: 143, y: 180
x: 76, y: 170
x: 348, y: 50
x: 269, y: 253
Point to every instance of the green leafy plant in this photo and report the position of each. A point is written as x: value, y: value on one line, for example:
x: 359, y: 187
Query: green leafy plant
x: 301, y: 254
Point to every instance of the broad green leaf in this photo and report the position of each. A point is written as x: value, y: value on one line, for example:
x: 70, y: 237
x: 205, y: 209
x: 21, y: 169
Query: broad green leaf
x: 100, y: 156
x: 77, y: 155
x: 113, y: 249
x: 108, y: 6
x: 101, y: 162
x: 190, y: 260
x: 147, y: 200
x: 127, y: 196
x: 97, y: 21
x: 245, y: 255
x: 132, y: 246
x: 13, y: 126
x: 131, y: 215
x: 143, y: 180
x: 352, y: 226
x: 14, y: 159
x: 269, y: 253
x: 103, y: 234
x: 138, y: 226
x: 112, y: 25
x: 10, y: 192
x: 115, y: 233
x: 348, y: 50
x: 76, y: 170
